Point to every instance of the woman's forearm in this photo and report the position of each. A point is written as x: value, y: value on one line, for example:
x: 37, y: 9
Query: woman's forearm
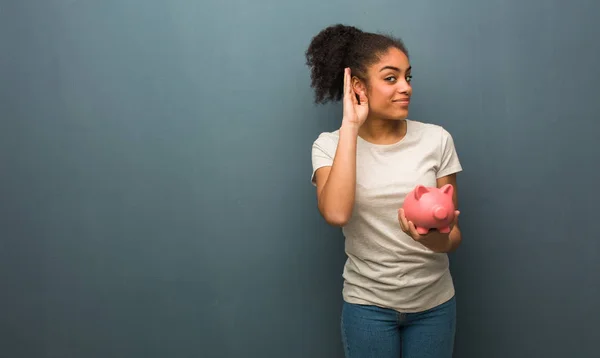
x: 336, y: 201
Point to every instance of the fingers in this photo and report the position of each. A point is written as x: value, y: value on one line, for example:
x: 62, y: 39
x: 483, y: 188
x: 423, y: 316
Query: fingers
x: 348, y: 91
x: 402, y: 220
x: 455, y: 221
x: 351, y: 91
x: 363, y: 98
x: 407, y: 226
x: 413, y: 231
x: 347, y: 99
x: 347, y: 82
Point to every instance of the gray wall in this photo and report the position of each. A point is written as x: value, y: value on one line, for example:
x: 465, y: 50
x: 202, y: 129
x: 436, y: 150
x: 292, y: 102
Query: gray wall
x: 155, y: 163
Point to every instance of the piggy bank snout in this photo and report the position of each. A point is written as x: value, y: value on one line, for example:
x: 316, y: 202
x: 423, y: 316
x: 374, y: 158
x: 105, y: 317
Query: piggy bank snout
x: 440, y: 213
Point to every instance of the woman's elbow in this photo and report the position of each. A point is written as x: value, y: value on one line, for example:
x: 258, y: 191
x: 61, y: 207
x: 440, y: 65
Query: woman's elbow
x: 336, y: 218
x: 335, y: 213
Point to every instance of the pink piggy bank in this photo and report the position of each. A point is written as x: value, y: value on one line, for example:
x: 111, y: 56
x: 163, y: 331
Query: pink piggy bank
x: 430, y: 208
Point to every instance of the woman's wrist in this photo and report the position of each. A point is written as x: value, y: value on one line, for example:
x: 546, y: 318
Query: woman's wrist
x: 349, y: 128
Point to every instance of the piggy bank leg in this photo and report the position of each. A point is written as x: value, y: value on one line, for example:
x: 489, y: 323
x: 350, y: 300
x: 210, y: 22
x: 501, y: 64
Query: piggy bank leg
x: 421, y: 230
x: 444, y: 230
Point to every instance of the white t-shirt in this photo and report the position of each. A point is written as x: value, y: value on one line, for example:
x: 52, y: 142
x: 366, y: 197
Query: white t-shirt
x: 386, y: 267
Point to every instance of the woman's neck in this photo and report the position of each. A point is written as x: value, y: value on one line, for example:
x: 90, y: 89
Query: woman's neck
x: 382, y: 131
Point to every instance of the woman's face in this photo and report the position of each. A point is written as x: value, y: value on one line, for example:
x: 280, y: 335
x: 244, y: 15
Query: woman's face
x: 389, y: 89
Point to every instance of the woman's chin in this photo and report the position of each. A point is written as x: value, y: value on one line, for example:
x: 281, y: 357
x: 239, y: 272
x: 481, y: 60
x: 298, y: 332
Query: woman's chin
x: 399, y: 116
x: 391, y: 115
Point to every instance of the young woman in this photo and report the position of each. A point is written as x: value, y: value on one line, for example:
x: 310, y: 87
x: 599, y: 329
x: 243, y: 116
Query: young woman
x: 398, y: 292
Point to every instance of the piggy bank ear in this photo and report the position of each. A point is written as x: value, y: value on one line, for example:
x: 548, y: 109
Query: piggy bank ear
x: 419, y: 191
x: 448, y: 189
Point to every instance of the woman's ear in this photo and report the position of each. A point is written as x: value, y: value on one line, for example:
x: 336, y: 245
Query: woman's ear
x: 360, y: 90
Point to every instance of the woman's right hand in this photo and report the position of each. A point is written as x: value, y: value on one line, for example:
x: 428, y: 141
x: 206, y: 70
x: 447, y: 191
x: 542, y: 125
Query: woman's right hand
x: 355, y: 113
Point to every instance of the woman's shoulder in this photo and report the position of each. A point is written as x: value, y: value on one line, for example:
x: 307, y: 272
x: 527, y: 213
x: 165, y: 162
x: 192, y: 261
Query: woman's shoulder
x: 333, y: 135
x: 327, y: 138
x: 326, y: 142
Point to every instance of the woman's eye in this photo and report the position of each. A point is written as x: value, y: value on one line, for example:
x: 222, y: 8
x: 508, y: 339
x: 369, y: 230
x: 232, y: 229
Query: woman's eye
x: 393, y: 78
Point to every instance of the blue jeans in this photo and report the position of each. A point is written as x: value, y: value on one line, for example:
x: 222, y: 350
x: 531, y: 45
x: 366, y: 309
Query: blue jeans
x: 370, y: 331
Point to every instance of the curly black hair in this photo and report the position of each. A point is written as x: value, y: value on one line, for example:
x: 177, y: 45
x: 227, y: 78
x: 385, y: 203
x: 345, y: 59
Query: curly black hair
x: 339, y: 46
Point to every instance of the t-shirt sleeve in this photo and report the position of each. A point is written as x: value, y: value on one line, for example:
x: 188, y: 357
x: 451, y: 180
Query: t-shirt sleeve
x: 323, y: 152
x: 449, y: 162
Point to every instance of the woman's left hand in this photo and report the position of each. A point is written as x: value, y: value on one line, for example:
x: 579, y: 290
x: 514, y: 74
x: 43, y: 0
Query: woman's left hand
x: 433, y: 240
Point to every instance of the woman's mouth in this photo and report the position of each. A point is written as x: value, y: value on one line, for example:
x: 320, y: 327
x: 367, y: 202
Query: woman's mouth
x: 402, y: 102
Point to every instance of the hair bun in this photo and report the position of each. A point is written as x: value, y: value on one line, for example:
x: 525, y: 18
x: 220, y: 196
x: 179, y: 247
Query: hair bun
x: 327, y: 55
x: 332, y: 41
